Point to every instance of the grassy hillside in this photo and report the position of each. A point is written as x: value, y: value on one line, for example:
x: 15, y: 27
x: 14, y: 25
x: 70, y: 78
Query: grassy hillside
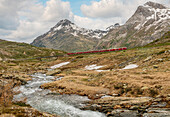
x: 150, y: 78
x: 14, y: 50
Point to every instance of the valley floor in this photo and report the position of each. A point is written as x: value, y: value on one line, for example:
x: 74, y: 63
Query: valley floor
x: 114, y: 88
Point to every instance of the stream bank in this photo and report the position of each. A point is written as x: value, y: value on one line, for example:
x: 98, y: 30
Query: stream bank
x: 44, y: 100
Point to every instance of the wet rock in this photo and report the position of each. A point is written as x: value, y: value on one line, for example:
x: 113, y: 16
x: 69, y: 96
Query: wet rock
x: 110, y: 115
x: 53, y: 93
x: 124, y: 113
x: 134, y: 107
x: 157, y: 113
x: 145, y: 107
x: 159, y: 105
x: 142, y: 110
x: 96, y: 106
x: 22, y: 80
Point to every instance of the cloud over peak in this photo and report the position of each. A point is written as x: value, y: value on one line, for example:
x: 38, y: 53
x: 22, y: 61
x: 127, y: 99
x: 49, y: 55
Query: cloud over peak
x: 103, y: 9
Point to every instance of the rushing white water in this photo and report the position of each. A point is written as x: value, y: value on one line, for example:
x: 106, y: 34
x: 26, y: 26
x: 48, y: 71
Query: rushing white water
x: 44, y: 100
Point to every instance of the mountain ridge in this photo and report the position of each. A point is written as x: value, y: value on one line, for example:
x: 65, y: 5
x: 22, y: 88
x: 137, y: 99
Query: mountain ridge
x: 146, y: 25
x: 149, y: 22
x: 67, y: 36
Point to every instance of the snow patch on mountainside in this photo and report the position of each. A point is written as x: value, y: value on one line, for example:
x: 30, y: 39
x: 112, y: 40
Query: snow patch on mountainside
x: 93, y: 67
x: 158, y: 15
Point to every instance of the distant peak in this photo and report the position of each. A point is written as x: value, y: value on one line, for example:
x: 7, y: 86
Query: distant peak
x: 64, y: 22
x: 113, y: 26
x: 155, y: 5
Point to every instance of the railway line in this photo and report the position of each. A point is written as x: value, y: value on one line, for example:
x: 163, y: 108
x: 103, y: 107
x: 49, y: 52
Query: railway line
x: 69, y: 54
x: 97, y: 51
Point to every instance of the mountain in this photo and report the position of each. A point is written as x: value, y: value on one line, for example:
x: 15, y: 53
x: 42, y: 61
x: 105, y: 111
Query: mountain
x: 147, y: 24
x: 164, y: 40
x: 67, y: 36
x: 13, y: 50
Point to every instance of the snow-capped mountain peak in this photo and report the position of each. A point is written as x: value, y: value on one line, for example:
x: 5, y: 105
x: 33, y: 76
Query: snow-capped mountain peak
x: 69, y: 27
x: 149, y: 22
x: 155, y: 5
x: 159, y: 12
x: 150, y: 14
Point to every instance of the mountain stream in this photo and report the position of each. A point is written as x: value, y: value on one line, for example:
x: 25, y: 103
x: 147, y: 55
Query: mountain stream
x: 44, y: 100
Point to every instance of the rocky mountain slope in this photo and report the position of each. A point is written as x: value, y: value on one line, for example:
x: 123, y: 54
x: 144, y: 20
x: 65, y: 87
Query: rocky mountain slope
x: 13, y: 50
x: 147, y: 24
x: 67, y: 36
x: 164, y: 40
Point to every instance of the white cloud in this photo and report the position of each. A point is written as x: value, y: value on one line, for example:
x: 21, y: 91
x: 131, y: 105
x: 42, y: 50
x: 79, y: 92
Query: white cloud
x: 34, y: 19
x: 114, y: 8
x: 89, y: 23
x: 8, y: 14
x: 56, y: 9
x: 27, y: 31
x: 24, y: 20
x: 103, y: 9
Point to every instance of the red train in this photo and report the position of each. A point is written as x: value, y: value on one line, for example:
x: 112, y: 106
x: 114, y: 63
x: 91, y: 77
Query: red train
x: 109, y: 50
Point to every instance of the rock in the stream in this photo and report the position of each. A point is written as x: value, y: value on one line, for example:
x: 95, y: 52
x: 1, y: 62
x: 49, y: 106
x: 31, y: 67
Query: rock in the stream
x: 134, y: 107
x: 159, y: 105
x: 123, y: 113
x: 157, y: 113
